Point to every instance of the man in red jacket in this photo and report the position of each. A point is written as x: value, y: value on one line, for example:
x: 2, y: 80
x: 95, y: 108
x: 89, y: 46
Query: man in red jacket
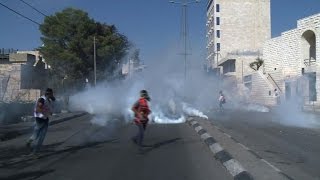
x: 141, y: 111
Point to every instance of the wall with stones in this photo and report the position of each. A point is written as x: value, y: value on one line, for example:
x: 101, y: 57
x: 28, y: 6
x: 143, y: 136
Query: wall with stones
x: 284, y: 56
x: 11, y: 90
x: 245, y: 25
x: 264, y: 92
x: 20, y: 80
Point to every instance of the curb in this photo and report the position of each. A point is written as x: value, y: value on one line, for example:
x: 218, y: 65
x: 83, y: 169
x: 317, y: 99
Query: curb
x: 254, y: 154
x: 15, y: 133
x: 66, y: 118
x: 232, y: 165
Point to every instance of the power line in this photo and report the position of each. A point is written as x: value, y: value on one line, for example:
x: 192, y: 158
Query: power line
x: 20, y: 14
x: 33, y: 8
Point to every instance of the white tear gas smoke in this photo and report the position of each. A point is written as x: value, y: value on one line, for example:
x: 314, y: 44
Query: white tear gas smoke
x: 165, y: 82
x: 193, y: 112
x: 239, y: 98
x: 173, y: 97
x: 290, y: 113
x: 256, y: 108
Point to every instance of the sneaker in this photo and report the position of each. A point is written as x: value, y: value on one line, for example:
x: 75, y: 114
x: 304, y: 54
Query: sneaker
x: 30, y: 156
x: 134, y: 140
x: 28, y: 144
x: 35, y: 156
x: 141, y: 151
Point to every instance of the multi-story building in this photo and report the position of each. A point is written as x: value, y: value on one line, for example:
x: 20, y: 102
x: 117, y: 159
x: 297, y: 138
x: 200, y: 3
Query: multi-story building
x: 236, y: 32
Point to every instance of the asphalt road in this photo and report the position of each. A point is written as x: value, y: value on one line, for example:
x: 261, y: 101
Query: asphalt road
x: 290, y: 141
x: 78, y: 150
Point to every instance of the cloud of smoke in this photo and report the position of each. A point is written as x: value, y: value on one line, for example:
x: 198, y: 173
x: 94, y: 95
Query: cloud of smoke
x: 193, y: 112
x: 256, y: 108
x: 173, y: 96
x: 290, y: 113
x: 164, y: 80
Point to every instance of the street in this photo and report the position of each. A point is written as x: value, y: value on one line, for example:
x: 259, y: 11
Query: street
x: 294, y: 150
x: 78, y: 150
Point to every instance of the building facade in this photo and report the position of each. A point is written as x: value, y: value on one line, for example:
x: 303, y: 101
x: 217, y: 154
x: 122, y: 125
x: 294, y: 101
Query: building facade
x: 236, y: 32
x: 291, y: 66
x: 22, y: 77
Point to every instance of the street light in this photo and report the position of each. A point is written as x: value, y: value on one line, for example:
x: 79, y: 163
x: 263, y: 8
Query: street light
x: 184, y: 5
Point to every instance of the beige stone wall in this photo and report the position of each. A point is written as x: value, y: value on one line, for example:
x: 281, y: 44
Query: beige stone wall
x: 286, y: 51
x: 36, y: 54
x: 284, y: 56
x: 242, y: 67
x: 273, y: 59
x: 12, y: 91
x: 264, y: 93
x: 290, y: 49
x: 245, y: 25
x: 11, y: 78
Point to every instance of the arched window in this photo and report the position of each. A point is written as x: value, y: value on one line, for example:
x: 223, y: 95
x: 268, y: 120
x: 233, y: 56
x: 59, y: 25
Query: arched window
x: 309, y: 46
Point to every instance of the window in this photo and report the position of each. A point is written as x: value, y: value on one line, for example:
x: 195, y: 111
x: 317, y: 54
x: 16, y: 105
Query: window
x: 218, y: 20
x: 218, y: 33
x: 218, y: 46
x: 269, y: 93
x: 218, y: 7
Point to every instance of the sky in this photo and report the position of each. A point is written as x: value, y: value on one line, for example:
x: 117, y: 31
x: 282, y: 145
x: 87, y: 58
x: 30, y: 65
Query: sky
x: 153, y: 26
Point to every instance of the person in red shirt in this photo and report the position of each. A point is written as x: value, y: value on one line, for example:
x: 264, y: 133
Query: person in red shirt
x: 141, y: 111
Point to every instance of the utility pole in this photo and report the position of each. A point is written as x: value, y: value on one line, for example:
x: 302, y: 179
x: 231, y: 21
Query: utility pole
x: 129, y: 67
x: 185, y: 33
x: 242, y: 70
x: 184, y: 5
x: 94, y: 61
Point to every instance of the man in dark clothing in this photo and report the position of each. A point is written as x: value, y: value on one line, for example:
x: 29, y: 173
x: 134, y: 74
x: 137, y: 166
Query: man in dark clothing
x: 141, y: 111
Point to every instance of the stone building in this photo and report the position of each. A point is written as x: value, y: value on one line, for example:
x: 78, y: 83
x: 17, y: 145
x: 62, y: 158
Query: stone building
x: 291, y: 65
x: 236, y: 32
x: 22, y: 76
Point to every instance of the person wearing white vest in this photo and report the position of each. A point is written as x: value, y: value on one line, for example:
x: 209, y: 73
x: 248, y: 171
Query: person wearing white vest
x: 42, y: 111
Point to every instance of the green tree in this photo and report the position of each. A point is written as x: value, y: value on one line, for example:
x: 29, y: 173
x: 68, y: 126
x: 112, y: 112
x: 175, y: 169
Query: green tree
x: 68, y: 46
x: 256, y: 64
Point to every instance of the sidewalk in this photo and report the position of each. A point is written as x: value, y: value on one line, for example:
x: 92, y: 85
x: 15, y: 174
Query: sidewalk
x: 222, y: 142
x: 8, y: 132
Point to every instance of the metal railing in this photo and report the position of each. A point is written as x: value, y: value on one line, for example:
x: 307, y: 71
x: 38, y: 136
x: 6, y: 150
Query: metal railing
x: 274, y: 82
x: 7, y: 51
x: 309, y: 62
